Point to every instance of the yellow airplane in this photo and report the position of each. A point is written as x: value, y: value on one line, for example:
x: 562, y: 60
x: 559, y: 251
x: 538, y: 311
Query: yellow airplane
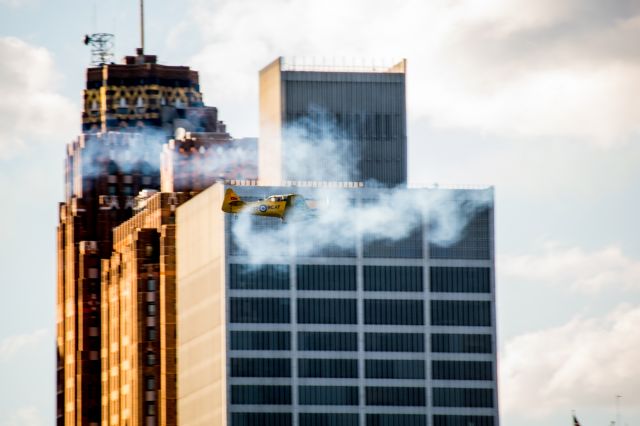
x: 280, y: 206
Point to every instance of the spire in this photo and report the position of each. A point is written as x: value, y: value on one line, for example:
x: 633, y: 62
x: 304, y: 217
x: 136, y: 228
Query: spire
x: 142, y: 25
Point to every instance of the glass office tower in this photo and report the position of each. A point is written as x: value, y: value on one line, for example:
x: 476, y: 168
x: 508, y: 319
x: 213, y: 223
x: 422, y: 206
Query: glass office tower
x: 364, y: 332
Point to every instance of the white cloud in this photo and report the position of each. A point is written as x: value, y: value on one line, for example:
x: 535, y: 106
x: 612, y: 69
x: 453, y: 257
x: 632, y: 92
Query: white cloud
x: 512, y: 68
x: 583, y: 363
x: 13, y: 345
x: 31, y: 111
x: 25, y: 416
x: 573, y: 267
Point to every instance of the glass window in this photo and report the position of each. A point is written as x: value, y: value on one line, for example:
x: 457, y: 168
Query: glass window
x: 260, y: 277
x: 393, y: 278
x: 328, y: 419
x: 152, y: 334
x: 151, y: 284
x: 394, y: 369
x: 394, y: 312
x: 462, y: 397
x: 327, y: 311
x: 461, y: 313
x: 327, y: 341
x: 462, y: 370
x: 260, y: 367
x: 151, y: 358
x: 326, y: 277
x: 473, y: 243
x: 260, y: 340
x: 394, y: 342
x: 260, y: 419
x: 260, y: 394
x: 328, y: 395
x: 151, y: 309
x: 396, y: 420
x: 260, y: 310
x: 455, y: 420
x: 461, y: 343
x: 150, y: 383
x: 460, y: 280
x: 151, y: 408
x: 332, y: 368
x: 395, y: 396
x: 409, y: 247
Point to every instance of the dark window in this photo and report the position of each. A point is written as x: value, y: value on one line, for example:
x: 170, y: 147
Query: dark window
x: 393, y: 278
x: 328, y: 419
x: 328, y: 395
x: 260, y: 419
x: 327, y: 311
x: 152, y: 334
x: 461, y: 343
x: 260, y: 367
x: 260, y: 394
x: 462, y: 397
x: 394, y: 342
x: 409, y: 247
x: 453, y: 420
x: 260, y: 310
x: 327, y: 341
x: 151, y: 358
x: 473, y: 243
x: 460, y: 280
x: 332, y: 368
x: 461, y: 313
x: 396, y: 420
x: 260, y: 277
x: 461, y: 370
x: 394, y: 369
x: 151, y: 284
x: 151, y: 309
x: 151, y: 408
x: 150, y: 382
x: 260, y: 340
x: 326, y: 277
x: 396, y: 396
x: 395, y: 312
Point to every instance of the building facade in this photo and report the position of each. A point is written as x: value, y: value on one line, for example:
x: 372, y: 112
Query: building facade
x: 360, y: 110
x: 130, y: 111
x: 368, y: 332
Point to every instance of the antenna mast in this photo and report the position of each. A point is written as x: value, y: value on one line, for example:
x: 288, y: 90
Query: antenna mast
x: 142, y: 25
x: 101, y: 48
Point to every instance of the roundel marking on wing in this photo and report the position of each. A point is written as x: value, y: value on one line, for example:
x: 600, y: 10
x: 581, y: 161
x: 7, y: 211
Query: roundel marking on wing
x: 262, y: 208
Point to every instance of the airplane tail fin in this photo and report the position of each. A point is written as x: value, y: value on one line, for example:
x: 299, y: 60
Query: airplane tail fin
x: 231, y: 199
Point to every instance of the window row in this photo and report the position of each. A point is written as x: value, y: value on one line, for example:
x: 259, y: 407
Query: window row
x: 260, y: 367
x: 351, y: 419
x: 394, y: 369
x: 473, y: 241
x: 348, y: 341
x: 376, y: 278
x: 460, y: 280
x: 376, y: 311
x: 328, y: 395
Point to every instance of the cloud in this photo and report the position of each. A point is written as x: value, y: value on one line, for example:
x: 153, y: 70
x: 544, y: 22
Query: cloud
x: 521, y: 69
x: 15, y: 3
x: 25, y: 416
x: 580, y: 364
x: 574, y: 267
x: 31, y: 111
x: 13, y: 345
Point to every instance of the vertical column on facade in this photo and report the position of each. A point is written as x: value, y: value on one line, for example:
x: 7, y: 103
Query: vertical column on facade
x: 426, y: 279
x: 360, y: 326
x: 293, y: 324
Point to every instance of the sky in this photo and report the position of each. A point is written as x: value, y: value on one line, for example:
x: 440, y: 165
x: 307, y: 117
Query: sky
x: 539, y: 98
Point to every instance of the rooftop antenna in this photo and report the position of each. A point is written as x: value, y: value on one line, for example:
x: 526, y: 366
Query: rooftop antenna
x: 141, y: 26
x: 101, y: 47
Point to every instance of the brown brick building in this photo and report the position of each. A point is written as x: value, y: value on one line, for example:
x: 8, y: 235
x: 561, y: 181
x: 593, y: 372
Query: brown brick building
x: 130, y: 112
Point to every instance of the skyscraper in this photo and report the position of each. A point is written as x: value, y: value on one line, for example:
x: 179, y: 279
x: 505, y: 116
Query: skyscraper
x: 361, y: 109
x: 365, y: 331
x: 130, y: 111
